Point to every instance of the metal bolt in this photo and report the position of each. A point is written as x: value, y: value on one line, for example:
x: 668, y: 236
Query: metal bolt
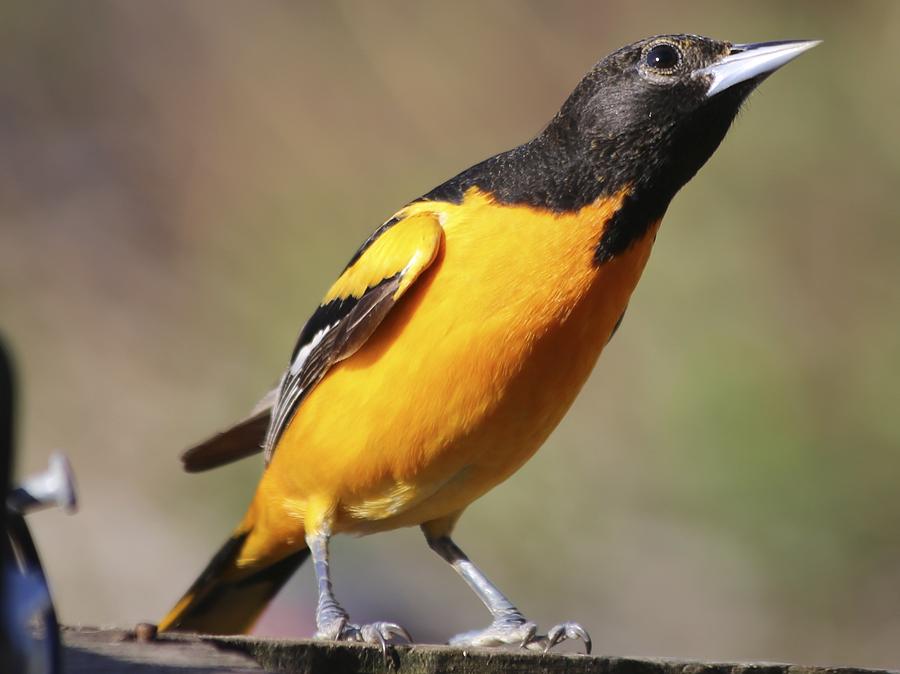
x: 145, y: 632
x: 54, y: 487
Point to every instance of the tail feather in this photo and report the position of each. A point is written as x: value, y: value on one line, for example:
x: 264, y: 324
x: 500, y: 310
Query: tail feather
x: 243, y: 439
x: 228, y: 598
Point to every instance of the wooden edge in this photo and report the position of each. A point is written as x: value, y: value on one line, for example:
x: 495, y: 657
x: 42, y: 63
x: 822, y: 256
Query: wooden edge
x: 227, y: 654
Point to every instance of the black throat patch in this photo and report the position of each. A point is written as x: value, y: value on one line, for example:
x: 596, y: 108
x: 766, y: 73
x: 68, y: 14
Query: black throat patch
x: 543, y: 175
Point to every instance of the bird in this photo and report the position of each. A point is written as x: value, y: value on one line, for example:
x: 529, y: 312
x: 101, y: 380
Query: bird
x: 458, y: 335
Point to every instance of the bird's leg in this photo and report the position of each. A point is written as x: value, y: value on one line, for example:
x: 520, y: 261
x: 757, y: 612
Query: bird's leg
x: 332, y: 621
x: 509, y: 626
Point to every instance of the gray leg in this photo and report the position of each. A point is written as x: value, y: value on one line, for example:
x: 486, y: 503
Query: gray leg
x: 509, y: 626
x: 331, y: 618
x: 332, y: 621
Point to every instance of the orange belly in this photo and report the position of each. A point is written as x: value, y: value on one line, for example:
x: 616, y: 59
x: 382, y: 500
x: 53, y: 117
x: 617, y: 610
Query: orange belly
x: 464, y: 380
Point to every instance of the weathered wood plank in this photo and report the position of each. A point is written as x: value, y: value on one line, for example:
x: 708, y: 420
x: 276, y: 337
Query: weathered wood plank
x: 92, y: 651
x: 96, y: 651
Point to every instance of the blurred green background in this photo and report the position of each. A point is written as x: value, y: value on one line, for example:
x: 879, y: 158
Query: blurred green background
x: 180, y: 182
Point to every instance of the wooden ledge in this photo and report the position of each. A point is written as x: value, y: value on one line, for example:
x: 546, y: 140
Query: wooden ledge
x: 115, y: 651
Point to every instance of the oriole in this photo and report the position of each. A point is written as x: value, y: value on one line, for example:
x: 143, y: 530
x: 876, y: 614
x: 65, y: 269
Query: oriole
x: 460, y: 333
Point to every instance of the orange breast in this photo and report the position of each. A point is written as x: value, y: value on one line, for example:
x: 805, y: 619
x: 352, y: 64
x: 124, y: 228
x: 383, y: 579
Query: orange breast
x: 466, y: 377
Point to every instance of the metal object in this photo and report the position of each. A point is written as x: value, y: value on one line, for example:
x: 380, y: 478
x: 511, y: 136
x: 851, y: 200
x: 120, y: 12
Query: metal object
x: 29, y: 631
x: 54, y: 487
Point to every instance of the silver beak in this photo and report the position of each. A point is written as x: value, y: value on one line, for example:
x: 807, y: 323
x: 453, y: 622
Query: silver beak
x: 747, y: 61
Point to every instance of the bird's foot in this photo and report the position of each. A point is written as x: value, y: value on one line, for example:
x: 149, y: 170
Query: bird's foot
x: 561, y: 632
x: 502, y: 632
x: 339, y: 628
x: 523, y: 633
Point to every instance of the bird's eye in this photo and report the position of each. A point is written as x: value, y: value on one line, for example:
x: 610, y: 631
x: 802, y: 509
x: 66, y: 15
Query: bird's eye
x: 663, y: 57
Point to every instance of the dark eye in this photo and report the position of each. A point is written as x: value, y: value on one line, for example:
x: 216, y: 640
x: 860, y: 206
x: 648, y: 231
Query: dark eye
x: 663, y: 57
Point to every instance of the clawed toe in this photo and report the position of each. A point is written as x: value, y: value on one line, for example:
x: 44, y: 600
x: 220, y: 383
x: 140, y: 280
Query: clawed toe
x: 382, y: 632
x: 377, y: 633
x: 524, y: 635
x: 568, y: 630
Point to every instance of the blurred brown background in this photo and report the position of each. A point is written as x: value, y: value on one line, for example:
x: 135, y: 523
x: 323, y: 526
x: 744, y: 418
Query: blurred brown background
x: 180, y: 182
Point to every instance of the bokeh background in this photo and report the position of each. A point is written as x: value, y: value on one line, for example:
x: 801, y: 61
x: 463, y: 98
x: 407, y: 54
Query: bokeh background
x: 180, y: 182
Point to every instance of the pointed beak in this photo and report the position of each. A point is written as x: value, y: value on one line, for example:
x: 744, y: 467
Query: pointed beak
x: 749, y: 61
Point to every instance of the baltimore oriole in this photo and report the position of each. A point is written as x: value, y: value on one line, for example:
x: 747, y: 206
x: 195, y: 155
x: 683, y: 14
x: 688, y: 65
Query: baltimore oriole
x: 459, y: 334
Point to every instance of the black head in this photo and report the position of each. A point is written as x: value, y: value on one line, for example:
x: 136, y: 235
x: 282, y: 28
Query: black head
x: 653, y: 112
x: 641, y: 123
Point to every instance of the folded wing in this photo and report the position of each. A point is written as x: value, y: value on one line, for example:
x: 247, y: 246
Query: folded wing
x: 378, y: 275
